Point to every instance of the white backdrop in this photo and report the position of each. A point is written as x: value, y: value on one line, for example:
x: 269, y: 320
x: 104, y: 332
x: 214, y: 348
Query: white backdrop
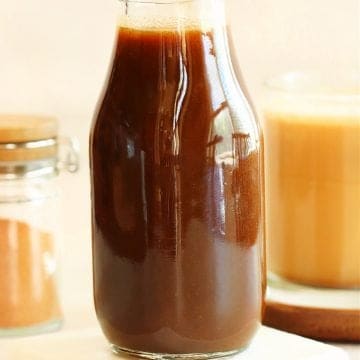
x: 54, y: 57
x: 54, y: 54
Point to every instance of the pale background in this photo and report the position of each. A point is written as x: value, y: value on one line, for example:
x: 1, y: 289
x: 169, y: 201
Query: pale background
x: 54, y: 57
x: 54, y: 54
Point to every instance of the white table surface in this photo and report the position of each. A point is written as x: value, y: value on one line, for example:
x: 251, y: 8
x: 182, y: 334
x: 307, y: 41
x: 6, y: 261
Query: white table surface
x: 85, y: 344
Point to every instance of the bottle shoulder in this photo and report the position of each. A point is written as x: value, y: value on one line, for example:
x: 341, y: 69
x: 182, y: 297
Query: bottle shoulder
x: 173, y: 88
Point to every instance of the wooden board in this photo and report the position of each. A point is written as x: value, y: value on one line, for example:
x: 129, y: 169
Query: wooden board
x: 319, y: 313
x: 321, y: 324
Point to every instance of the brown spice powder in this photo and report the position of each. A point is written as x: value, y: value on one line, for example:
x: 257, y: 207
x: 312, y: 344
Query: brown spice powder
x: 28, y: 294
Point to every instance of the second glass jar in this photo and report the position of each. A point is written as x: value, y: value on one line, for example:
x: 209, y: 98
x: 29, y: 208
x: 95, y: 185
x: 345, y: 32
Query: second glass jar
x: 32, y: 155
x: 176, y: 188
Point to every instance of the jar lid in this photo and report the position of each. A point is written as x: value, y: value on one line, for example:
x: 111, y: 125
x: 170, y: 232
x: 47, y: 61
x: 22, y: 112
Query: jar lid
x: 30, y: 147
x: 24, y: 128
x: 27, y: 137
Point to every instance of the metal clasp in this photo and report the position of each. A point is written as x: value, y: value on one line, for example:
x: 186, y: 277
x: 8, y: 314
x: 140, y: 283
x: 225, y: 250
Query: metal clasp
x: 68, y: 158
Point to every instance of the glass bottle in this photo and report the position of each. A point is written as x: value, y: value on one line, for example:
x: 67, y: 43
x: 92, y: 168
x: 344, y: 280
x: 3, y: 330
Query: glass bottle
x: 31, y: 157
x: 176, y: 188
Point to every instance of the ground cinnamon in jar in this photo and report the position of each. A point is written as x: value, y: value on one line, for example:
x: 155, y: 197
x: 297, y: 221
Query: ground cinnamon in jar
x: 28, y: 294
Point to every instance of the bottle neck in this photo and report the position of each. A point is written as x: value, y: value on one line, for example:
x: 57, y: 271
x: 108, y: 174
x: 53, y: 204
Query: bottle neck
x: 172, y: 14
x: 178, y: 16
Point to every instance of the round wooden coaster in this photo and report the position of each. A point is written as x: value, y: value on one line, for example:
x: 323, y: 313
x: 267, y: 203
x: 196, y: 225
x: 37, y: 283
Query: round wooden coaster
x: 317, y: 323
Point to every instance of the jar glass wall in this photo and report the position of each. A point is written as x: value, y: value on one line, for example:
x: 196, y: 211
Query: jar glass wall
x: 312, y: 166
x: 29, y: 220
x: 30, y: 223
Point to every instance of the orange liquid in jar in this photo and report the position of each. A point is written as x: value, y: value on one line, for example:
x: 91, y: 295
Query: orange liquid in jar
x: 313, y: 197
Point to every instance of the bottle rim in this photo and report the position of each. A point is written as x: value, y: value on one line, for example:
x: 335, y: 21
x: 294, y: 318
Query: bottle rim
x: 158, y: 2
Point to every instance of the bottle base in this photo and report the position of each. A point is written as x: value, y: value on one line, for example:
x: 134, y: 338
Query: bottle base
x: 154, y: 356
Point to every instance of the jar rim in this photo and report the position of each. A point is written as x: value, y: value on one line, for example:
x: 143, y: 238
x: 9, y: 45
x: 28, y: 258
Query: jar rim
x: 314, y: 84
x: 17, y: 128
x: 30, y: 170
x: 29, y: 151
x: 39, y: 157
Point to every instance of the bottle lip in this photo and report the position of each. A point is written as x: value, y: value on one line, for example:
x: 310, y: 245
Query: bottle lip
x: 158, y: 2
x: 163, y: 15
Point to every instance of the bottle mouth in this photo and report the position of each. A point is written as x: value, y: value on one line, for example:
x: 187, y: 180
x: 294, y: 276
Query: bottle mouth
x: 158, y: 2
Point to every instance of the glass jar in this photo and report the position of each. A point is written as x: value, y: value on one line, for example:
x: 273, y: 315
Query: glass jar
x: 29, y: 220
x: 176, y: 188
x: 312, y: 166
